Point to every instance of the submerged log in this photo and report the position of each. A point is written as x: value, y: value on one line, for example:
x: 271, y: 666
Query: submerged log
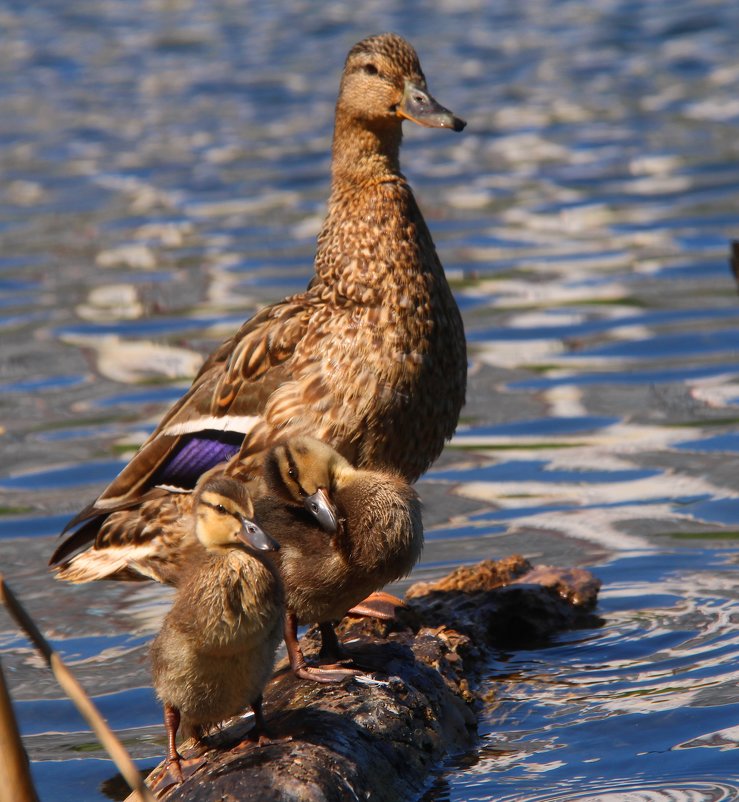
x: 380, y: 740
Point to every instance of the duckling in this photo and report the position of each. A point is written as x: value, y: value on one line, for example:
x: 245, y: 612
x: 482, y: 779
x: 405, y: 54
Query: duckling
x: 343, y: 533
x: 216, y: 648
x: 370, y: 358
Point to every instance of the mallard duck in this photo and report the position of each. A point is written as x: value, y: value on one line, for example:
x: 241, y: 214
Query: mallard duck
x: 216, y: 648
x: 370, y: 358
x: 344, y: 533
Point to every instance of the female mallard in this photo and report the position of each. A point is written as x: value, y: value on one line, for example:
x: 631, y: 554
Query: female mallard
x: 344, y: 533
x: 370, y: 358
x: 216, y: 649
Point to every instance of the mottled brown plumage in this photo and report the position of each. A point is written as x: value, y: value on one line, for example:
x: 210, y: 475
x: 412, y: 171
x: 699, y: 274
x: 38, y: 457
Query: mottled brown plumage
x: 216, y: 648
x: 152, y: 540
x: 344, y: 533
x: 370, y: 358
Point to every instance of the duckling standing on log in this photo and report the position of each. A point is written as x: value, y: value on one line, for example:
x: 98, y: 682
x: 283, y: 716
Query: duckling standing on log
x: 370, y: 358
x: 216, y: 649
x: 343, y: 534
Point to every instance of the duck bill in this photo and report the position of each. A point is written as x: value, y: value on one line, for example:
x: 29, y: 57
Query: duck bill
x: 319, y: 506
x: 418, y: 106
x: 256, y: 538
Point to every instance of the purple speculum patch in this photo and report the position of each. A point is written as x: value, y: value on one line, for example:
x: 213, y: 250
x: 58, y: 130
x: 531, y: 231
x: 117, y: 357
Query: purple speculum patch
x: 195, y: 454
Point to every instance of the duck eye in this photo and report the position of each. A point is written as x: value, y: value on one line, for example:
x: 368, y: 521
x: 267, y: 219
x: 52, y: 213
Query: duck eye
x: 370, y: 69
x: 292, y: 473
x: 220, y: 508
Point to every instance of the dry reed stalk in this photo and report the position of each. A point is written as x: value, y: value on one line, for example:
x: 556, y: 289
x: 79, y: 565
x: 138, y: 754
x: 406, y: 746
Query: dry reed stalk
x: 16, y: 784
x: 77, y: 694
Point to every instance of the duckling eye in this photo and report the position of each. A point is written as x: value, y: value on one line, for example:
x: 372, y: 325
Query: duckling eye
x: 370, y: 69
x: 292, y: 473
x: 221, y: 509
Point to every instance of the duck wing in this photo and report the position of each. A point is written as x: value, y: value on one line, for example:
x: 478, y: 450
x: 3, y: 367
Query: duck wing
x: 150, y: 539
x: 219, y: 418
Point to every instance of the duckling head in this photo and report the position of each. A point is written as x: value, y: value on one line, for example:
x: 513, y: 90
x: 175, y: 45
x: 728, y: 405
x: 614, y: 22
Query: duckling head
x: 383, y: 83
x: 224, y: 516
x: 305, y: 471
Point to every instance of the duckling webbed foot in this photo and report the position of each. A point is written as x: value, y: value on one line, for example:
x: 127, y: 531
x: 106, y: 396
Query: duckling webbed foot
x: 174, y: 768
x: 334, y: 672
x: 298, y: 664
x: 366, y: 662
x: 325, y: 674
x: 340, y: 658
x: 379, y: 605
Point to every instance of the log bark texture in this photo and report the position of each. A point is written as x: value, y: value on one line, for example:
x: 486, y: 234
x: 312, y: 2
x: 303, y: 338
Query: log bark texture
x: 380, y: 741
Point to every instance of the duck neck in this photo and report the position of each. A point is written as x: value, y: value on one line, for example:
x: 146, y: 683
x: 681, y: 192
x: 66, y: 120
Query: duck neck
x: 364, y: 151
x: 374, y: 247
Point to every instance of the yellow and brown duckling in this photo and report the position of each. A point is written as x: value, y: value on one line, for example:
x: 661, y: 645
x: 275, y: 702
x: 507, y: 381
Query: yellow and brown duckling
x: 370, y: 358
x: 216, y: 648
x: 344, y: 533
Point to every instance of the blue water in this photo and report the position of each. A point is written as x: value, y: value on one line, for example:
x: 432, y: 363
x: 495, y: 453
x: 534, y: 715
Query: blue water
x: 165, y: 169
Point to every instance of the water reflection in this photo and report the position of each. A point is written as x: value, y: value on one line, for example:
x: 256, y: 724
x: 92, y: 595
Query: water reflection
x: 620, y: 712
x: 166, y: 167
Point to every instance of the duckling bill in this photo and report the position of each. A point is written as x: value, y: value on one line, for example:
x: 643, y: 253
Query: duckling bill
x: 344, y: 533
x: 216, y: 648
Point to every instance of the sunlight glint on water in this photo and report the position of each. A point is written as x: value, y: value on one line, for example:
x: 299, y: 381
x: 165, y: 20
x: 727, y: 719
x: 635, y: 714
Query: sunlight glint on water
x: 165, y: 169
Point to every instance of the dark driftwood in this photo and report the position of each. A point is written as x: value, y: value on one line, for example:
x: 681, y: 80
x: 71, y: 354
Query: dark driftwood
x: 380, y: 741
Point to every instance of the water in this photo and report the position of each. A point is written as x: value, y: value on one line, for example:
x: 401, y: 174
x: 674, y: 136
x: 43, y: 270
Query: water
x: 165, y: 170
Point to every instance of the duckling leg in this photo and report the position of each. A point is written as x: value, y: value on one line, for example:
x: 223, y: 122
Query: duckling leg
x: 331, y: 648
x: 171, y: 724
x: 259, y: 731
x: 300, y: 668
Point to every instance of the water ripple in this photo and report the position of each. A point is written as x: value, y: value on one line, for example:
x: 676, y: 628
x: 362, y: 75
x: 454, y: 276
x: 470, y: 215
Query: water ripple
x: 166, y: 171
x: 627, y: 790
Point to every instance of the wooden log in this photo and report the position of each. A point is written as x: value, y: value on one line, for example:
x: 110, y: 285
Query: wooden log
x: 380, y: 740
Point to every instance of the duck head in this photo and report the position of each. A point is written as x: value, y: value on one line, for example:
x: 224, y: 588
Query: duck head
x: 224, y: 516
x: 383, y: 83
x: 304, y: 471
